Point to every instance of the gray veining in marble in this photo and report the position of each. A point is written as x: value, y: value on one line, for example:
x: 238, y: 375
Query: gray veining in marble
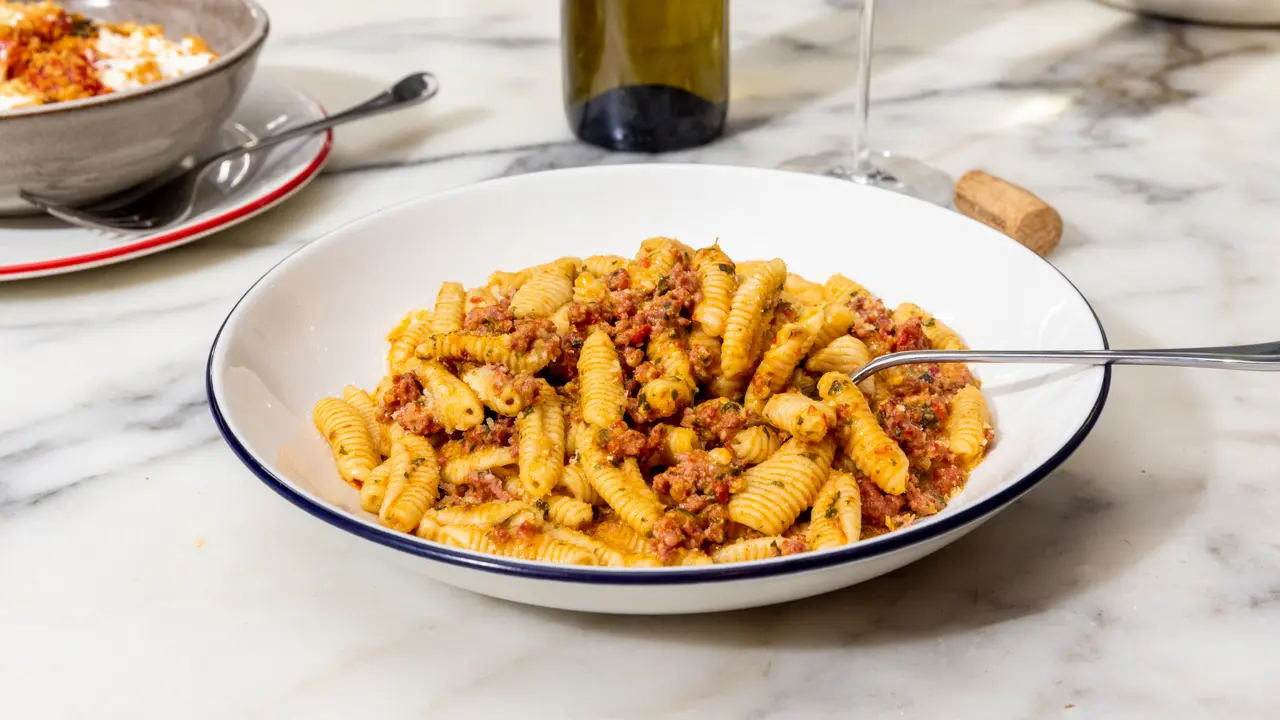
x: 145, y: 573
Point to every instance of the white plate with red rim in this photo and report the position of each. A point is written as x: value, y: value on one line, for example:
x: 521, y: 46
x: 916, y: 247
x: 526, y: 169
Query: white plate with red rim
x: 292, y: 340
x: 36, y: 246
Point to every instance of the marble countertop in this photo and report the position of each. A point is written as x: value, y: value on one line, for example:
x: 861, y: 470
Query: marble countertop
x: 145, y: 573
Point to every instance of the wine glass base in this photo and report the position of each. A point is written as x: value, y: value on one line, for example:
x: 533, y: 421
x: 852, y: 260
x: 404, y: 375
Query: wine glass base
x: 888, y: 171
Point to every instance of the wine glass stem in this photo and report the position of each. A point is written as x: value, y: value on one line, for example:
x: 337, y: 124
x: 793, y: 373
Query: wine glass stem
x: 862, y: 91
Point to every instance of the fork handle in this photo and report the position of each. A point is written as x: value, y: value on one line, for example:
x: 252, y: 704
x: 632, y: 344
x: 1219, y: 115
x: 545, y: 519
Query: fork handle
x: 1260, y: 356
x: 410, y: 90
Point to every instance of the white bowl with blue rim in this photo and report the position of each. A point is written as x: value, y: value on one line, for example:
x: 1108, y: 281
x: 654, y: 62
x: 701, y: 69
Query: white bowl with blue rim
x: 318, y: 320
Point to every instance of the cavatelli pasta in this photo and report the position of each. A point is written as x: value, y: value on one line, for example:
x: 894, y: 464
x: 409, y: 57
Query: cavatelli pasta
x: 967, y: 424
x: 800, y: 291
x: 498, y: 390
x: 450, y: 308
x: 676, y: 442
x: 403, y: 348
x: 727, y: 388
x: 845, y: 355
x: 574, y: 480
x: 718, y: 279
x: 589, y: 288
x: 567, y: 511
x: 603, y: 397
x: 452, y: 403
x: 421, y: 475
x: 374, y: 489
x: 848, y: 504
x: 363, y: 404
x: 780, y: 488
x: 411, y: 318
x: 802, y: 417
x: 704, y: 355
x: 505, y: 284
x: 781, y: 359
x: 824, y: 530
x: 940, y: 336
x: 874, y: 453
x: 348, y: 438
x: 480, y: 514
x: 656, y: 259
x: 539, y: 547
x: 837, y: 318
x: 479, y: 297
x: 761, y: 548
x: 754, y: 295
x: 533, y: 416
x: 673, y: 390
x: 485, y: 349
x: 841, y: 289
x: 755, y: 444
x: 484, y: 458
x: 541, y: 457
x: 602, y: 266
x: 545, y: 291
x: 622, y: 488
x: 620, y: 535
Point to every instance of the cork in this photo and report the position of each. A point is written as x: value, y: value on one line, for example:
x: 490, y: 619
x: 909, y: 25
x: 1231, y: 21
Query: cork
x: 1011, y: 209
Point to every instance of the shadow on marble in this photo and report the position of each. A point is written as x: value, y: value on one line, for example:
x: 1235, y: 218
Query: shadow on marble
x: 806, y: 63
x: 1109, y: 507
x: 1138, y: 68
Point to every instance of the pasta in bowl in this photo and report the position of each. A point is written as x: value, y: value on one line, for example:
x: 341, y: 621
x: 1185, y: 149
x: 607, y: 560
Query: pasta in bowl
x: 612, y: 398
x: 671, y: 408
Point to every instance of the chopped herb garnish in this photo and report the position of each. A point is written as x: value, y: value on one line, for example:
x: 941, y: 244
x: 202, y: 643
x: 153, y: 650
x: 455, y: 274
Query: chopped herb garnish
x: 342, y: 449
x: 831, y: 512
x: 731, y: 406
x: 406, y: 475
x: 727, y: 269
x: 81, y: 27
x: 542, y: 505
x: 675, y: 394
x: 836, y: 387
x: 777, y: 483
x: 525, y: 412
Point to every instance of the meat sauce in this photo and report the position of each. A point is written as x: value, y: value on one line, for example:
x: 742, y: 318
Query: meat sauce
x: 630, y: 316
x: 696, y: 491
x: 914, y: 411
x: 911, y: 404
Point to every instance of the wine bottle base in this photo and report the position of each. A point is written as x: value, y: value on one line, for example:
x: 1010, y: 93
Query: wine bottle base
x: 648, y: 119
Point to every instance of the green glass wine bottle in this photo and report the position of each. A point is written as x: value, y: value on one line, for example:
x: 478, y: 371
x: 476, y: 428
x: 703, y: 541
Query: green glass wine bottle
x: 646, y: 75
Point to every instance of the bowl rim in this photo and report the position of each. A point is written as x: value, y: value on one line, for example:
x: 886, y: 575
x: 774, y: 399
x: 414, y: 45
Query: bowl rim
x: 258, y: 36
x: 666, y: 576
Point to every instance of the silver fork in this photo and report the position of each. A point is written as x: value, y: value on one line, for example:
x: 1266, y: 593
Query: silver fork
x: 1261, y: 356
x: 168, y: 199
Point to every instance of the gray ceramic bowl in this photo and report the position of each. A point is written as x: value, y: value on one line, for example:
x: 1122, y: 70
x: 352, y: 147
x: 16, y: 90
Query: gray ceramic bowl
x: 84, y: 149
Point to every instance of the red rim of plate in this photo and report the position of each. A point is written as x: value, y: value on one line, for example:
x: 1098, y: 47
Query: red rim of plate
x: 185, y: 232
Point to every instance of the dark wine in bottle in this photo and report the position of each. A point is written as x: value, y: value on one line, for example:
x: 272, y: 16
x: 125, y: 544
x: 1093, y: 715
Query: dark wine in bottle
x: 646, y: 75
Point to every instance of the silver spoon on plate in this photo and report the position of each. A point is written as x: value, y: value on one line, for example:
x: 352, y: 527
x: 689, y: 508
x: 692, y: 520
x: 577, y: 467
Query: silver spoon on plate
x: 168, y: 199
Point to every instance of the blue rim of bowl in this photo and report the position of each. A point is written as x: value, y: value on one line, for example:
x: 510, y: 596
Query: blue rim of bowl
x: 248, y: 48
x: 803, y: 562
